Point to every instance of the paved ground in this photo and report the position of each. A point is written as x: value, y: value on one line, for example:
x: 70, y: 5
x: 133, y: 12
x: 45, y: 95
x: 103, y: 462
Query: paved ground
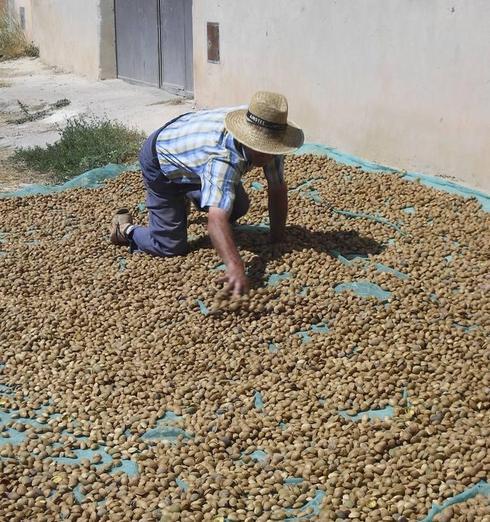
x: 37, y: 87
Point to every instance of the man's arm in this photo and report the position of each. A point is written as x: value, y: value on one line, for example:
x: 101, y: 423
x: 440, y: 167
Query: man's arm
x: 222, y: 238
x: 278, y: 211
x: 277, y: 194
x: 217, y: 194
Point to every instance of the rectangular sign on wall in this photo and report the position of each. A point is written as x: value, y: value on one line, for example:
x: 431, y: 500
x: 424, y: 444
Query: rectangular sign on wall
x: 213, y: 42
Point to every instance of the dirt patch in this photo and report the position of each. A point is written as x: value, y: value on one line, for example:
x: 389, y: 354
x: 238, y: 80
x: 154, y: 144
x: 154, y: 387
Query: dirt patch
x: 13, y: 178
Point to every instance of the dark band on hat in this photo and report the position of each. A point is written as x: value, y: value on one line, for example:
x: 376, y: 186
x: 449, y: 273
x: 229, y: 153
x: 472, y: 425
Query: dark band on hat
x: 257, y: 120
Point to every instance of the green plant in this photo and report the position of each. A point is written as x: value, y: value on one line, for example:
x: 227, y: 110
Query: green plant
x: 13, y: 43
x: 27, y: 115
x: 86, y: 142
x: 32, y: 50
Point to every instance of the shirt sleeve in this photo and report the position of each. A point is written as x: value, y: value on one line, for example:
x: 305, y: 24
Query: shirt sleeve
x: 218, y: 183
x: 274, y: 171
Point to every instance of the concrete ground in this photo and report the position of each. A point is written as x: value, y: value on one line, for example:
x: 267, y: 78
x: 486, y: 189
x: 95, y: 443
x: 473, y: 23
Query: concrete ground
x: 30, y: 84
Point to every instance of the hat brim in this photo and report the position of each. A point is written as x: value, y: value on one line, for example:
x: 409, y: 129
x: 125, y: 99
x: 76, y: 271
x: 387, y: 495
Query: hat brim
x: 263, y: 140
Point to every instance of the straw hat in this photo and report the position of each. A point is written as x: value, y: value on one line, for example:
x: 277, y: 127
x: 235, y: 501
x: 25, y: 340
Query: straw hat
x: 264, y: 126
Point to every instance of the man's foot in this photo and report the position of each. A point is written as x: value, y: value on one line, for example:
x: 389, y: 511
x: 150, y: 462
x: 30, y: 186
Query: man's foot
x: 120, y: 222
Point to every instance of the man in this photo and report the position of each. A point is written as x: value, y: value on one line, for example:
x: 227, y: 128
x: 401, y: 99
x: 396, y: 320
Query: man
x: 201, y: 157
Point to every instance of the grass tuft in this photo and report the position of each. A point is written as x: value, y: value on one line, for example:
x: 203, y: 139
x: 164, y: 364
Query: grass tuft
x: 86, y: 142
x: 27, y: 115
x: 13, y: 43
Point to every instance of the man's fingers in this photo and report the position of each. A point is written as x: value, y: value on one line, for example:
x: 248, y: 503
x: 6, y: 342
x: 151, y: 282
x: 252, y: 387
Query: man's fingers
x: 242, y: 288
x: 228, y: 286
x: 235, y: 288
x: 234, y: 285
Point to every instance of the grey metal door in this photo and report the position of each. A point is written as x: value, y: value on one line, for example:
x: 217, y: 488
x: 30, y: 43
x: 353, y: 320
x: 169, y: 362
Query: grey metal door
x: 176, y: 45
x: 137, y: 41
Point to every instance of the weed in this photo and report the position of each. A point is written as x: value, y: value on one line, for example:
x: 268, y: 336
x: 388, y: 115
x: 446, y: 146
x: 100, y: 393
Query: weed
x: 86, y: 142
x: 60, y: 103
x: 13, y: 43
x: 37, y: 115
x: 23, y: 107
x: 32, y: 50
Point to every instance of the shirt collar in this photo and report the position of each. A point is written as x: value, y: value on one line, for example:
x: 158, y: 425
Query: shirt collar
x: 241, y: 151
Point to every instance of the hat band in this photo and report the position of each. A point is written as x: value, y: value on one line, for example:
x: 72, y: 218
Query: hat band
x: 257, y: 120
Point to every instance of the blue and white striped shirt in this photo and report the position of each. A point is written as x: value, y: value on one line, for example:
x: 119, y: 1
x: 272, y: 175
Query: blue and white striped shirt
x: 196, y: 148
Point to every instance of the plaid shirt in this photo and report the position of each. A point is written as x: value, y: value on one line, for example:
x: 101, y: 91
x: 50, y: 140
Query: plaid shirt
x: 196, y: 148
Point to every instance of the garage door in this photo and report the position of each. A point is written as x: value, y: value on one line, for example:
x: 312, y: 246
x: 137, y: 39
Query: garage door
x: 154, y: 43
x: 137, y: 41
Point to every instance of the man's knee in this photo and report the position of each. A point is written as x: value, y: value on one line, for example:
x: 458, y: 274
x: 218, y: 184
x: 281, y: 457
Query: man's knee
x: 144, y: 239
x: 171, y: 248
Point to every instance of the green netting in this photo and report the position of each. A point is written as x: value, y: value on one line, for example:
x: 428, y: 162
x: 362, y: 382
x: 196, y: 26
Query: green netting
x: 482, y: 488
x: 364, y: 289
x: 369, y: 166
x: 93, y: 178
x: 90, y: 179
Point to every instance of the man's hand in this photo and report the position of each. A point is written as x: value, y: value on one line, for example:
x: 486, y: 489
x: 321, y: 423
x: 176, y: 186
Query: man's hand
x: 237, y: 280
x: 222, y: 238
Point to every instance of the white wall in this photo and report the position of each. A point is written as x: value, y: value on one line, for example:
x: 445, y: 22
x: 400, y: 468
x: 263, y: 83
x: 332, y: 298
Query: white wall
x: 76, y: 35
x: 402, y: 82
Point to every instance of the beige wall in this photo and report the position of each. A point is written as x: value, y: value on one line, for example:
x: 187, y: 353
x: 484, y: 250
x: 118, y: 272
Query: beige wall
x: 75, y: 35
x: 401, y: 82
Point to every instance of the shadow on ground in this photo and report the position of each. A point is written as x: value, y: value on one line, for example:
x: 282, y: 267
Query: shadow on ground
x: 344, y: 242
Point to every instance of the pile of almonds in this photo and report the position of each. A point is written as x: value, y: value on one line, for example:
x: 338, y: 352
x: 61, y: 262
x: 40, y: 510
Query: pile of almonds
x: 273, y: 392
x: 472, y: 510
